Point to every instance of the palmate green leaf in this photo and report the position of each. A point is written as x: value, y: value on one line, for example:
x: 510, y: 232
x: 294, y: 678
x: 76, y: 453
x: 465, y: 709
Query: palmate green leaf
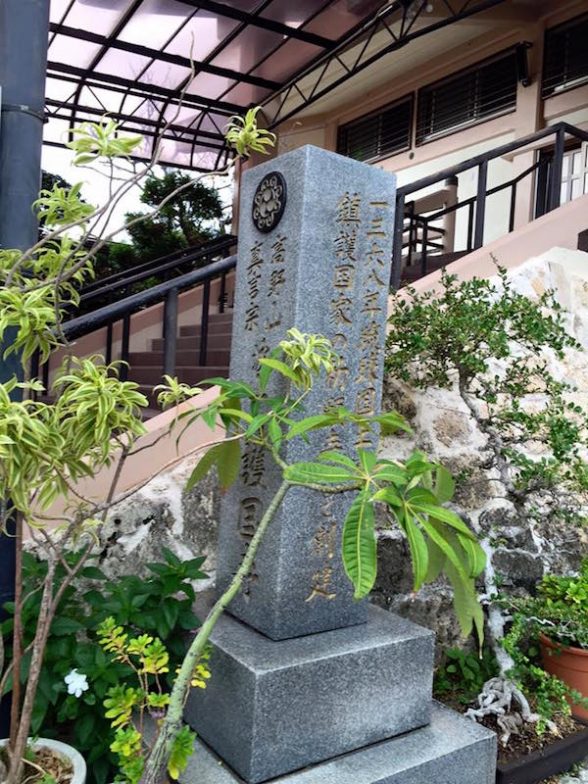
x: 390, y: 472
x: 311, y: 423
x: 203, y: 466
x: 444, y: 485
x: 367, y: 460
x: 274, y: 432
x: 475, y: 555
x: 337, y: 457
x: 359, y: 546
x: 437, y: 560
x: 227, y: 458
x: 391, y: 422
x: 465, y: 603
x: 229, y: 463
x: 419, y: 552
x: 387, y: 495
x: 445, y: 516
x: 442, y: 541
x: 320, y: 474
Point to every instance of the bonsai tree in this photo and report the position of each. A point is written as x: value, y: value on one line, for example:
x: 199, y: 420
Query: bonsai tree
x: 491, y: 346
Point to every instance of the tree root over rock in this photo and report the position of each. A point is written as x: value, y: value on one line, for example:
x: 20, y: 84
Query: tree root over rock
x: 500, y: 697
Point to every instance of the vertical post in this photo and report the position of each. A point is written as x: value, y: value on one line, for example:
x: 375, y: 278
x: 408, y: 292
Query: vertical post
x: 480, y: 205
x: 424, y: 247
x: 109, y: 343
x: 222, y: 297
x: 450, y: 217
x: 470, y: 238
x: 556, y: 167
x: 24, y: 28
x: 124, y: 347
x: 513, y: 204
x: 204, y: 323
x: 397, y: 247
x: 170, y: 332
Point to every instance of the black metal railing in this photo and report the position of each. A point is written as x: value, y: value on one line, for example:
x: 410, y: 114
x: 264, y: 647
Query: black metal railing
x: 122, y: 310
x: 416, y: 238
x: 120, y: 284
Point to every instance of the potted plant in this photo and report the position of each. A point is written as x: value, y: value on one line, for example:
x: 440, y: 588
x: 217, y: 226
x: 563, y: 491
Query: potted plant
x: 561, y: 610
x: 555, y: 620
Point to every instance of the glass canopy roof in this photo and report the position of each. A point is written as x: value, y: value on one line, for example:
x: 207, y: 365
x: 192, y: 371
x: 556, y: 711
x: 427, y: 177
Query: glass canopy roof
x: 134, y: 59
x: 179, y: 69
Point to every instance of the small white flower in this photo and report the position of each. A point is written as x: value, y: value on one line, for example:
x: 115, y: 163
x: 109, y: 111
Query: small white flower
x: 77, y: 683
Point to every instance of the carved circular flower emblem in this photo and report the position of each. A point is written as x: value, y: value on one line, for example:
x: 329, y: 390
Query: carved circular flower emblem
x: 269, y: 202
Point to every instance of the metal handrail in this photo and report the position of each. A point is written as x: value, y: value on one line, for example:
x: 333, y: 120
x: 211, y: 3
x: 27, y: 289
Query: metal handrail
x: 476, y: 221
x: 156, y: 267
x: 497, y: 152
x: 167, y: 293
x: 142, y: 299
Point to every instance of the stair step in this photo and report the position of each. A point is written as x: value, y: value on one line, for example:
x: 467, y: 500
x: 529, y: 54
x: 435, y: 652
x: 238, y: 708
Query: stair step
x: 213, y: 329
x: 184, y: 358
x: 188, y: 375
x: 191, y: 343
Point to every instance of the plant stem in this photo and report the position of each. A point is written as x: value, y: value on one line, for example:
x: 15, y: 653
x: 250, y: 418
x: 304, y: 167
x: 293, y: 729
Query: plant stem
x: 17, y: 751
x: 155, y: 765
x: 17, y: 642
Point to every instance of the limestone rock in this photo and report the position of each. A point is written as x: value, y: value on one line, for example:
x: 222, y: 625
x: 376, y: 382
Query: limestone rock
x: 518, y: 568
x: 397, y: 396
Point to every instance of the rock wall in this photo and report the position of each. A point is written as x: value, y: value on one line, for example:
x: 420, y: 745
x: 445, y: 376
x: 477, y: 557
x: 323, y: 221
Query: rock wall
x: 164, y: 514
x: 522, y: 547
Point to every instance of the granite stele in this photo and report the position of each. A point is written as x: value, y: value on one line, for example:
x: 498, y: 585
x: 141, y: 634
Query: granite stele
x: 308, y: 686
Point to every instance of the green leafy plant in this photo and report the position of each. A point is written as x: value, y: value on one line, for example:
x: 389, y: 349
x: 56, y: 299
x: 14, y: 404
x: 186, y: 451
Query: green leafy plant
x: 456, y: 338
x: 492, y: 346
x: 462, y: 674
x: 127, y: 707
x: 244, y: 134
x: 159, y: 604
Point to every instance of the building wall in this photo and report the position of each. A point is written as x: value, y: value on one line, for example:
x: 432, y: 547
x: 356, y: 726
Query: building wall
x: 532, y: 113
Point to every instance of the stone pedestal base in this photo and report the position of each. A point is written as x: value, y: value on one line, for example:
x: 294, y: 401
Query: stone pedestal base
x: 450, y: 750
x: 274, y: 707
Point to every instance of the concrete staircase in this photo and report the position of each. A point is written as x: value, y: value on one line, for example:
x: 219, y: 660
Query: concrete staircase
x: 146, y: 367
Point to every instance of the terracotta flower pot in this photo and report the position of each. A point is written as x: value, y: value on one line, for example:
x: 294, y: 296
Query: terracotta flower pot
x: 62, y: 749
x: 569, y: 665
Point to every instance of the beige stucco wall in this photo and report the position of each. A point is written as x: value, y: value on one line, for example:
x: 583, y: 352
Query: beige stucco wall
x: 532, y: 113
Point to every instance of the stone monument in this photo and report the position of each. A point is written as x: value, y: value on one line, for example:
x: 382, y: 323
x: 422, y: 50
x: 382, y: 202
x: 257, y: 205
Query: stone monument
x: 309, y: 686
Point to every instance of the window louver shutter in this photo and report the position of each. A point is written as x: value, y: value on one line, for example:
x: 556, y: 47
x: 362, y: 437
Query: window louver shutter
x: 565, y: 63
x: 487, y: 90
x: 384, y: 133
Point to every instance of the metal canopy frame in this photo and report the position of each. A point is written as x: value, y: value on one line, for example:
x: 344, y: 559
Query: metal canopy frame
x: 401, y: 21
x: 277, y: 53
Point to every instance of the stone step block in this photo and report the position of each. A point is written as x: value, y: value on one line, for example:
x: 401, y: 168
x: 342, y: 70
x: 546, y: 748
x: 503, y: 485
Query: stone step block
x: 274, y: 707
x: 184, y: 358
x: 449, y: 750
x: 220, y: 340
x: 188, y: 375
